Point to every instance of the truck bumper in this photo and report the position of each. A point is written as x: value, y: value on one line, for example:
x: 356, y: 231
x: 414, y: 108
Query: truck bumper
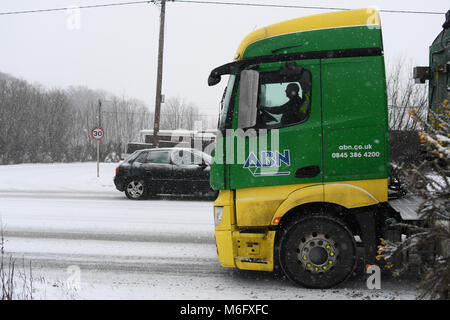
x: 224, y: 242
x: 246, y: 250
x: 249, y: 249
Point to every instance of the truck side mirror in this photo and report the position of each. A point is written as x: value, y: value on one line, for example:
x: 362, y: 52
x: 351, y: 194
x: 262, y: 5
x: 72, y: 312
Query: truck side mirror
x: 213, y: 80
x: 248, y: 98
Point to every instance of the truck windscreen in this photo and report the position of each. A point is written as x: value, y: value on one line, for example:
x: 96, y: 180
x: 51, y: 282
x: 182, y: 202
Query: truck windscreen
x: 225, y: 114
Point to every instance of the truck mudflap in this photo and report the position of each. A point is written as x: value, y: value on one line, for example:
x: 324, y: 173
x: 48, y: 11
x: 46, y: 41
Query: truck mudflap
x: 407, y: 207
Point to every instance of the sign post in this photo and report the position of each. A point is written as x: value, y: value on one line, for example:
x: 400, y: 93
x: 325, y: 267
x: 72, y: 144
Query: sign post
x: 98, y: 134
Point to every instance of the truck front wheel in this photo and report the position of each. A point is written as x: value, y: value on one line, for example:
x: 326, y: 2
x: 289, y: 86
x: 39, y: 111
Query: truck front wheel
x: 317, y: 252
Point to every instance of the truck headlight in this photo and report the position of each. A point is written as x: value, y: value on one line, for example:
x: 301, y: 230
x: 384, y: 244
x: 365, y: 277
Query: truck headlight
x: 218, y: 213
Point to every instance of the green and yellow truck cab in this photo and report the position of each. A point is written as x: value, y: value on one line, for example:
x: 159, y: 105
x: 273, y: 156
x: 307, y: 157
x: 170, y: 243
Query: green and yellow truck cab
x: 300, y: 181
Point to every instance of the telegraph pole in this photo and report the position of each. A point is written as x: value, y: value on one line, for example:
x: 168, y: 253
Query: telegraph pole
x: 98, y: 141
x: 159, y: 74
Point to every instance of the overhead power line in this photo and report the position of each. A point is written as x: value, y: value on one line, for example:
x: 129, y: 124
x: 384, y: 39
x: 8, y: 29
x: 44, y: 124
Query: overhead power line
x: 248, y: 4
x: 298, y: 6
x: 93, y: 6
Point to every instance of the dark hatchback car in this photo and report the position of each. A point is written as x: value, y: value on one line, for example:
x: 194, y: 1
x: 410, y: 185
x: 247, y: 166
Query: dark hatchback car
x: 164, y: 170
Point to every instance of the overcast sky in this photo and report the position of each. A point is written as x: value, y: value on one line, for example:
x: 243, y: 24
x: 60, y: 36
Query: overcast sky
x: 115, y: 48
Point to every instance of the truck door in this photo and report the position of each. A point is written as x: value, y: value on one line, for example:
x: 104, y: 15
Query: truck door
x: 355, y: 119
x: 285, y: 145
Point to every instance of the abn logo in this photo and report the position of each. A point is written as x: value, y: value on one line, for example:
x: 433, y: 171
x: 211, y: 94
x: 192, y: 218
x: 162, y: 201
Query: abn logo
x: 268, y: 164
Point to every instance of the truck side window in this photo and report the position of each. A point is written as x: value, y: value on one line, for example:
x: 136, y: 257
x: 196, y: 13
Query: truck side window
x: 283, y: 100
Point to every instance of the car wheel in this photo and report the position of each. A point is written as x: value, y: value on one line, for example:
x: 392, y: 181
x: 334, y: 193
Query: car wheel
x: 317, y: 252
x: 136, y: 190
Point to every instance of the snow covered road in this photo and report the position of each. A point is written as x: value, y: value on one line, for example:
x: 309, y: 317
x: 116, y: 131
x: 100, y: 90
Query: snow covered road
x: 161, y: 248
x: 109, y: 234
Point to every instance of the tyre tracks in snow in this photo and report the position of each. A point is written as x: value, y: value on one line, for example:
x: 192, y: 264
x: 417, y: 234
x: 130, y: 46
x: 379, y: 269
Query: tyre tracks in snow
x: 56, y: 230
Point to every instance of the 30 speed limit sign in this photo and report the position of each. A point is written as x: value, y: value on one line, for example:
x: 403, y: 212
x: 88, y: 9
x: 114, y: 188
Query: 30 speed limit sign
x: 97, y: 133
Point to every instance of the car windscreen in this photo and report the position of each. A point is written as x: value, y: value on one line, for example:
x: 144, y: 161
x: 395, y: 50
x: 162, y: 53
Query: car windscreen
x: 207, y: 158
x: 141, y: 157
x: 132, y: 156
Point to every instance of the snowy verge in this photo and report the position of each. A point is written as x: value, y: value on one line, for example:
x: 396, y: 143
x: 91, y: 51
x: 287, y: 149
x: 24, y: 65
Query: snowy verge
x: 58, y: 177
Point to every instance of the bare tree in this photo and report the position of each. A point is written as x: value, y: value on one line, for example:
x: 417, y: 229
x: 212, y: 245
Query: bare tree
x: 177, y: 113
x: 9, y: 282
x: 40, y: 125
x: 403, y: 95
x: 430, y: 181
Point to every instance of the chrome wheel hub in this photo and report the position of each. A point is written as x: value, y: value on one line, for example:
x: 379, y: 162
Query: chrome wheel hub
x: 317, y: 253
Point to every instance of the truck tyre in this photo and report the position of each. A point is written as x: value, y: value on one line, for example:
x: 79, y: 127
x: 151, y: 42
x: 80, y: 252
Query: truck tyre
x: 136, y: 189
x: 317, y: 252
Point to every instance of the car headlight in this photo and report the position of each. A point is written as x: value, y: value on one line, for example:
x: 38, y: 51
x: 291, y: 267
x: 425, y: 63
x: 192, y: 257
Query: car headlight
x: 218, y: 213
